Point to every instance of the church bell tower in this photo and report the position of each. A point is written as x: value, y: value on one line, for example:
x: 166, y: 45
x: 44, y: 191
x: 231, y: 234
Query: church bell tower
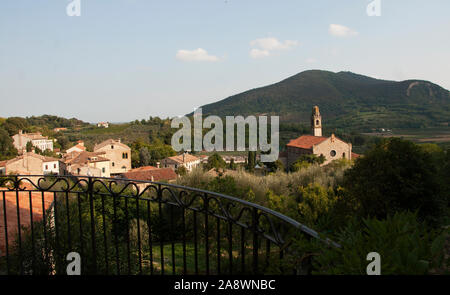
x: 316, y: 122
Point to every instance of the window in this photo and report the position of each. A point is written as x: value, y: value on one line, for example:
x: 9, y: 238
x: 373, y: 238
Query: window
x: 333, y: 153
x: 54, y: 166
x: 317, y: 122
x: 103, y: 169
x: 113, y: 164
x: 112, y: 147
x: 343, y: 155
x: 46, y: 167
x: 124, y: 155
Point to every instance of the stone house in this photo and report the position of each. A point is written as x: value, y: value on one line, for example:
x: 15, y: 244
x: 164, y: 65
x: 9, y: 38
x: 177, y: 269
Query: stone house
x: 32, y: 164
x: 88, y: 164
x: 118, y: 153
x: 185, y: 159
x: 37, y: 140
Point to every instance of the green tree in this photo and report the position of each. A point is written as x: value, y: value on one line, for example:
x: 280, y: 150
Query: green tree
x: 215, y: 161
x: 307, y: 160
x: 144, y: 157
x: 232, y: 165
x: 251, y: 161
x: 181, y: 171
x: 397, y: 175
x: 7, y: 149
x: 29, y: 146
x: 405, y: 245
x: 14, y: 124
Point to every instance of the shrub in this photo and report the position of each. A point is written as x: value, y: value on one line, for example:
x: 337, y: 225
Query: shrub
x: 397, y: 175
x: 405, y: 245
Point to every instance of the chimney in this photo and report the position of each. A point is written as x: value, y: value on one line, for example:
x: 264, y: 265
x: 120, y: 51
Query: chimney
x: 158, y: 164
x: 20, y: 132
x: 118, y: 140
x: 332, y: 137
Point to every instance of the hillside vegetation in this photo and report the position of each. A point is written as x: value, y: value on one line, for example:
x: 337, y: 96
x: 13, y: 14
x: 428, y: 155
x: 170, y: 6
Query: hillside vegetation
x: 346, y: 100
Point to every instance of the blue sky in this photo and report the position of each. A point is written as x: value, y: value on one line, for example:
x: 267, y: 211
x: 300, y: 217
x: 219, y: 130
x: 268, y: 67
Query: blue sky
x: 130, y: 59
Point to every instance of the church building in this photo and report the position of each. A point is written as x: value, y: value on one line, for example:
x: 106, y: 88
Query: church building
x: 332, y: 148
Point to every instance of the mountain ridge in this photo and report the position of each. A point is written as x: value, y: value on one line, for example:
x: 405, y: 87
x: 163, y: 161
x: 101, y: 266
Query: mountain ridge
x: 345, y: 98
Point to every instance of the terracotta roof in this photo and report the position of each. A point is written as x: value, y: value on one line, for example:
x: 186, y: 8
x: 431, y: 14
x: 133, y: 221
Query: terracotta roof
x: 3, y: 163
x: 31, y: 154
x: 187, y: 158
x: 355, y: 155
x: 84, y: 158
x: 157, y: 174
x: 80, y: 146
x: 306, y: 141
x: 36, y: 135
x: 110, y: 142
x: 144, y: 168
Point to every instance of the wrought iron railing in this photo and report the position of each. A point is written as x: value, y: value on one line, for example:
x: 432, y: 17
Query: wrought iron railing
x: 120, y: 226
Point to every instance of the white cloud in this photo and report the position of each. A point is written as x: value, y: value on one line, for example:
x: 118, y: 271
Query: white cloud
x: 198, y: 54
x: 264, y: 46
x: 311, y: 60
x: 258, y: 53
x: 273, y: 44
x: 341, y: 31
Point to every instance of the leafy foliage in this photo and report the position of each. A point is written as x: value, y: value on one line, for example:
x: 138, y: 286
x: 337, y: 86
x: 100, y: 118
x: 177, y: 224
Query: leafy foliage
x: 7, y: 149
x: 306, y: 160
x: 398, y: 175
x: 405, y: 245
x: 215, y: 161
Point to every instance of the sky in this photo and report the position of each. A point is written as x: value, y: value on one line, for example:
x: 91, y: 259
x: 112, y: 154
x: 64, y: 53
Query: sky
x: 122, y: 60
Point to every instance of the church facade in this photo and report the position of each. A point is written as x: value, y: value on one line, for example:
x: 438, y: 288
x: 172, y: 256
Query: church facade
x: 332, y: 148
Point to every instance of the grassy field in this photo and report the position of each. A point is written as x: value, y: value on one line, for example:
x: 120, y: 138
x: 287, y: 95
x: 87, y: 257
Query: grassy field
x: 437, y: 135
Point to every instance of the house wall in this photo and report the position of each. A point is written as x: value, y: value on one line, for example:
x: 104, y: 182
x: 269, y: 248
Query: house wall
x: 117, y: 163
x: 20, y: 142
x: 168, y: 163
x: 104, y: 168
x: 293, y: 153
x: 54, y: 167
x: 85, y: 170
x: 26, y: 165
x: 43, y: 144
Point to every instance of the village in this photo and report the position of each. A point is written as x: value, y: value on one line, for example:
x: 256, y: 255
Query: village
x: 112, y: 158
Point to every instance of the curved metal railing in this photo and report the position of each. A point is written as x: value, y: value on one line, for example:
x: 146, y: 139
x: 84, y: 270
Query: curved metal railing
x: 122, y: 226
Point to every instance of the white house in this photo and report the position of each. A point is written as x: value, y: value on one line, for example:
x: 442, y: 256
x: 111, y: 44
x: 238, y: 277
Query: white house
x: 37, y: 140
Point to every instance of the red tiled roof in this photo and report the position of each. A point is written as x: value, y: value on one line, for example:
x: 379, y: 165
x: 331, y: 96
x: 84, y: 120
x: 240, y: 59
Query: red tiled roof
x: 306, y: 141
x: 144, y: 168
x: 84, y: 157
x: 355, y: 155
x: 157, y: 174
x: 186, y: 158
x: 80, y: 146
